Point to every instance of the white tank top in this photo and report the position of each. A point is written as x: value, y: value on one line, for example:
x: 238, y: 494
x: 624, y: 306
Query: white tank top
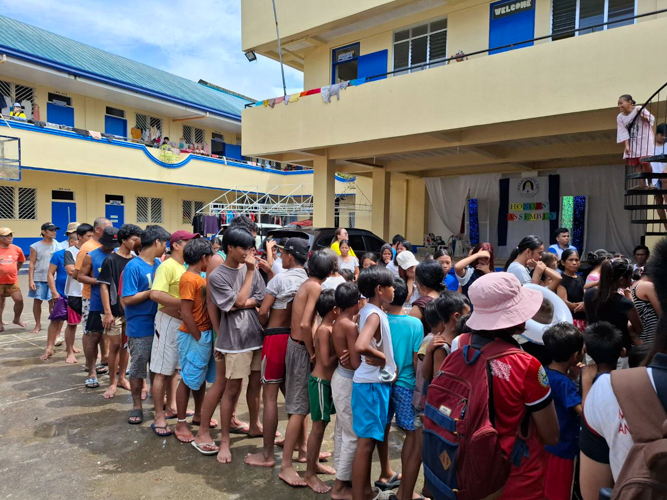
x: 366, y: 373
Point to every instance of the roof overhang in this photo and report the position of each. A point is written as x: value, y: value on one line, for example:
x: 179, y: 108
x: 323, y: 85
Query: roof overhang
x: 64, y: 79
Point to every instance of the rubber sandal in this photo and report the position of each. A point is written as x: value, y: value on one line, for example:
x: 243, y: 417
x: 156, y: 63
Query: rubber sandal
x: 92, y: 383
x: 165, y: 427
x: 101, y: 369
x: 134, y: 414
x: 199, y: 448
x: 394, y: 482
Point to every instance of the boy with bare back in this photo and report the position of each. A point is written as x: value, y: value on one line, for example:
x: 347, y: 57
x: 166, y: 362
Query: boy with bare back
x: 300, y: 353
x: 345, y: 335
x: 319, y: 388
x: 280, y: 293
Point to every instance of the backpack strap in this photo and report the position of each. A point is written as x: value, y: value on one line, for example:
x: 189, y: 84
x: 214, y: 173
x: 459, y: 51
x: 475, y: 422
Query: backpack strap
x: 639, y: 403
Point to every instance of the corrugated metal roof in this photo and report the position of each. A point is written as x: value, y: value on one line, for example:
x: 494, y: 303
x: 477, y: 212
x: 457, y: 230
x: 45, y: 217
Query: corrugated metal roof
x: 46, y: 47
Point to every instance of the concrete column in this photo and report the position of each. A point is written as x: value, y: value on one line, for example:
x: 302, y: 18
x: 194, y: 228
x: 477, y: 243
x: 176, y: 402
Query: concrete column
x: 380, y: 204
x: 324, y: 192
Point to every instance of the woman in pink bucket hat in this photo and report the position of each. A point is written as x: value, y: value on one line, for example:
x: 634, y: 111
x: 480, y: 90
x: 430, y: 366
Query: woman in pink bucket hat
x: 519, y: 391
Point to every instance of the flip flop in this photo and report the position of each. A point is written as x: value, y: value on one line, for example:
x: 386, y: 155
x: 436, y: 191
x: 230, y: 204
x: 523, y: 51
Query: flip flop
x: 165, y: 427
x: 199, y: 448
x: 92, y: 383
x: 241, y: 429
x: 134, y: 414
x: 394, y: 482
x: 102, y: 369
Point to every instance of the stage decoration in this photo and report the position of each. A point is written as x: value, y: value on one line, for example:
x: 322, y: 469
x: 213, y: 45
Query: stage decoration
x: 578, y: 221
x: 473, y: 221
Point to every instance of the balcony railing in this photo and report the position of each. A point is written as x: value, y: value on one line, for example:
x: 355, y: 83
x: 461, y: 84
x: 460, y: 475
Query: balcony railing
x: 459, y: 57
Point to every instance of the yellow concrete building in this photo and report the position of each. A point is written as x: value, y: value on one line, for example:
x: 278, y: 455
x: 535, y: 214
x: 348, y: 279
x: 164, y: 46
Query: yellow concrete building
x: 90, y: 144
x: 532, y: 92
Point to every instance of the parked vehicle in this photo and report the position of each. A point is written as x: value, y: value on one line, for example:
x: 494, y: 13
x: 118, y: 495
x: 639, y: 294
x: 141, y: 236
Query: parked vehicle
x: 361, y: 241
x: 261, y: 234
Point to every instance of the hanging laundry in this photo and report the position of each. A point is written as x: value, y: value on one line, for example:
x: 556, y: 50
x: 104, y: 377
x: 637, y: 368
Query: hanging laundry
x: 211, y: 224
x: 265, y: 102
x: 108, y: 137
x: 82, y: 132
x: 39, y: 123
x: 95, y: 135
x: 135, y: 133
x: 357, y: 81
x: 344, y: 85
x: 272, y: 103
x: 310, y: 92
x: 280, y: 99
x: 198, y: 225
x: 331, y: 90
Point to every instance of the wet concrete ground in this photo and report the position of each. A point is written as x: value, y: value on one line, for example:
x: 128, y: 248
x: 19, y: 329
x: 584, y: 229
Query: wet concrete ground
x: 63, y: 441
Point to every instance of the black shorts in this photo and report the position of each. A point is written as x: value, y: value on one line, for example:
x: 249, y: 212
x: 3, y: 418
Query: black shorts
x: 75, y: 304
x: 94, y: 322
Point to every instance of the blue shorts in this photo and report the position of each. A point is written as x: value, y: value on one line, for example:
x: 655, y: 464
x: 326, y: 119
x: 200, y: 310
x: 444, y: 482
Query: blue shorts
x: 43, y: 291
x: 196, y: 359
x: 400, y: 404
x: 370, y: 404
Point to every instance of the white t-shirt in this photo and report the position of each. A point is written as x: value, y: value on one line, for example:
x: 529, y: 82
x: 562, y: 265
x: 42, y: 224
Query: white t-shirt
x: 520, y: 271
x: 332, y: 282
x: 277, y: 267
x: 367, y: 374
x: 392, y: 267
x: 603, y: 414
x: 72, y: 287
x: 284, y: 286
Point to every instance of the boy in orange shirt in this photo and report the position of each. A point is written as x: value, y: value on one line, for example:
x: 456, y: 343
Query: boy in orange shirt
x: 195, y: 337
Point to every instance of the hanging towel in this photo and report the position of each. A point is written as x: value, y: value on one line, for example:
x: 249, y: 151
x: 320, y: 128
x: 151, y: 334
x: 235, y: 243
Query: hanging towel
x: 95, y: 135
x: 39, y: 123
x: 108, y: 137
x: 329, y: 91
x: 272, y: 103
x: 311, y: 92
x: 135, y: 133
x: 82, y: 132
x: 344, y: 85
x: 265, y: 102
x: 280, y: 99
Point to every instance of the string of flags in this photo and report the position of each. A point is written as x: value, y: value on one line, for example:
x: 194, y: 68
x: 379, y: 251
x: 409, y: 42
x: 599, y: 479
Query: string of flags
x: 327, y: 93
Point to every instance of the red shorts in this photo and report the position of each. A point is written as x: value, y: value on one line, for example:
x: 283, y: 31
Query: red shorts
x: 560, y: 476
x: 273, y: 355
x: 635, y: 162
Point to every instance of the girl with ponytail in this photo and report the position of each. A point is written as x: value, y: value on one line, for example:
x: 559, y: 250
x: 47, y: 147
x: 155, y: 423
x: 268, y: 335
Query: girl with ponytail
x: 594, y: 262
x: 527, y: 254
x: 605, y: 303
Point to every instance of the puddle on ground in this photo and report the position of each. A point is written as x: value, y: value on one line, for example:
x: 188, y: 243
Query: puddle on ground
x: 53, y: 430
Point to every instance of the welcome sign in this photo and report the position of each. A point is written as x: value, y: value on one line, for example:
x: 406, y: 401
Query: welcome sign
x: 512, y: 7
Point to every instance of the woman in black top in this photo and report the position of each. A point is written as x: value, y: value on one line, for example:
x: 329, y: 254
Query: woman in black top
x: 574, y: 286
x: 604, y: 303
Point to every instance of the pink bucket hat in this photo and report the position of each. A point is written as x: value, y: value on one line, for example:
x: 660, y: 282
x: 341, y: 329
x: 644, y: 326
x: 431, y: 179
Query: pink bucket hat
x: 500, y: 301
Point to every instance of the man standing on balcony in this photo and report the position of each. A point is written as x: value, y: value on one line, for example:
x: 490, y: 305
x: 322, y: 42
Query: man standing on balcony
x: 40, y: 257
x: 17, y: 112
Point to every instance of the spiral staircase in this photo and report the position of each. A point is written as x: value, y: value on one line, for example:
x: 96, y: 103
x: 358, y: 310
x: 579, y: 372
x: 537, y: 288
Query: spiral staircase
x: 648, y: 206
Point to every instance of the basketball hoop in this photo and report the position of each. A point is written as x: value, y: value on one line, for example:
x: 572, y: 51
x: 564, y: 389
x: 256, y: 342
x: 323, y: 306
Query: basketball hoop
x: 10, y: 158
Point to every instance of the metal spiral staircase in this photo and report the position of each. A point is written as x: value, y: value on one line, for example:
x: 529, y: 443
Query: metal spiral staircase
x: 648, y: 206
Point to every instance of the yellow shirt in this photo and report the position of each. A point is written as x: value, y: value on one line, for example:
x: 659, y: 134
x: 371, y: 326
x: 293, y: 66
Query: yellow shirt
x: 336, y: 248
x: 167, y: 277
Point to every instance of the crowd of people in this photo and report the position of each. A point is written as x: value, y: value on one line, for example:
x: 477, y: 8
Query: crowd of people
x: 375, y: 340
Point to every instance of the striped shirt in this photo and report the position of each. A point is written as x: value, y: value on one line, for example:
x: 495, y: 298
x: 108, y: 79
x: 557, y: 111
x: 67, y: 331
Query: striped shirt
x: 647, y: 315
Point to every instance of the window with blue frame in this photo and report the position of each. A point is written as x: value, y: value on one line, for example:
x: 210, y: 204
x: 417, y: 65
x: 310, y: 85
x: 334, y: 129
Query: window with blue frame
x: 345, y: 63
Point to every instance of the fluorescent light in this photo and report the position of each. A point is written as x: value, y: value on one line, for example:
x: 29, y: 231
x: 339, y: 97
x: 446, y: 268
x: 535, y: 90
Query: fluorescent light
x: 251, y: 56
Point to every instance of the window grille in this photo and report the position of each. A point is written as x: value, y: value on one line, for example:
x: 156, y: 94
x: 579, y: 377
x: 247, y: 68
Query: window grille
x: 142, y: 209
x: 199, y: 136
x: 156, y: 210
x: 187, y: 134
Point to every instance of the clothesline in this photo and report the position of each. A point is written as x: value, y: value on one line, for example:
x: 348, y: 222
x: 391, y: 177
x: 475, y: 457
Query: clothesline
x: 327, y: 92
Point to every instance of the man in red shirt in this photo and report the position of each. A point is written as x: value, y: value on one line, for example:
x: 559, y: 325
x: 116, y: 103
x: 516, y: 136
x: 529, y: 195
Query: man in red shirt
x: 520, y: 383
x: 11, y: 260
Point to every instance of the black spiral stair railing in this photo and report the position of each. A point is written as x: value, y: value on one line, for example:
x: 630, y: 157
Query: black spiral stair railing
x: 646, y: 191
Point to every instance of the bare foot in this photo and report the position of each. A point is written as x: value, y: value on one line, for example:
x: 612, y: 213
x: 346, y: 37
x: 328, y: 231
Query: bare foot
x: 325, y: 469
x: 315, y: 484
x: 47, y: 354
x: 256, y: 431
x: 144, y: 394
x: 279, y: 443
x: 20, y: 323
x: 36, y: 329
x: 290, y: 476
x: 110, y: 392
x: 259, y: 460
x: 341, y: 491
x: 183, y: 433
x: 324, y: 455
x: 76, y: 350
x: 71, y: 359
x: 2, y: 328
x: 124, y: 383
x: 225, y: 454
